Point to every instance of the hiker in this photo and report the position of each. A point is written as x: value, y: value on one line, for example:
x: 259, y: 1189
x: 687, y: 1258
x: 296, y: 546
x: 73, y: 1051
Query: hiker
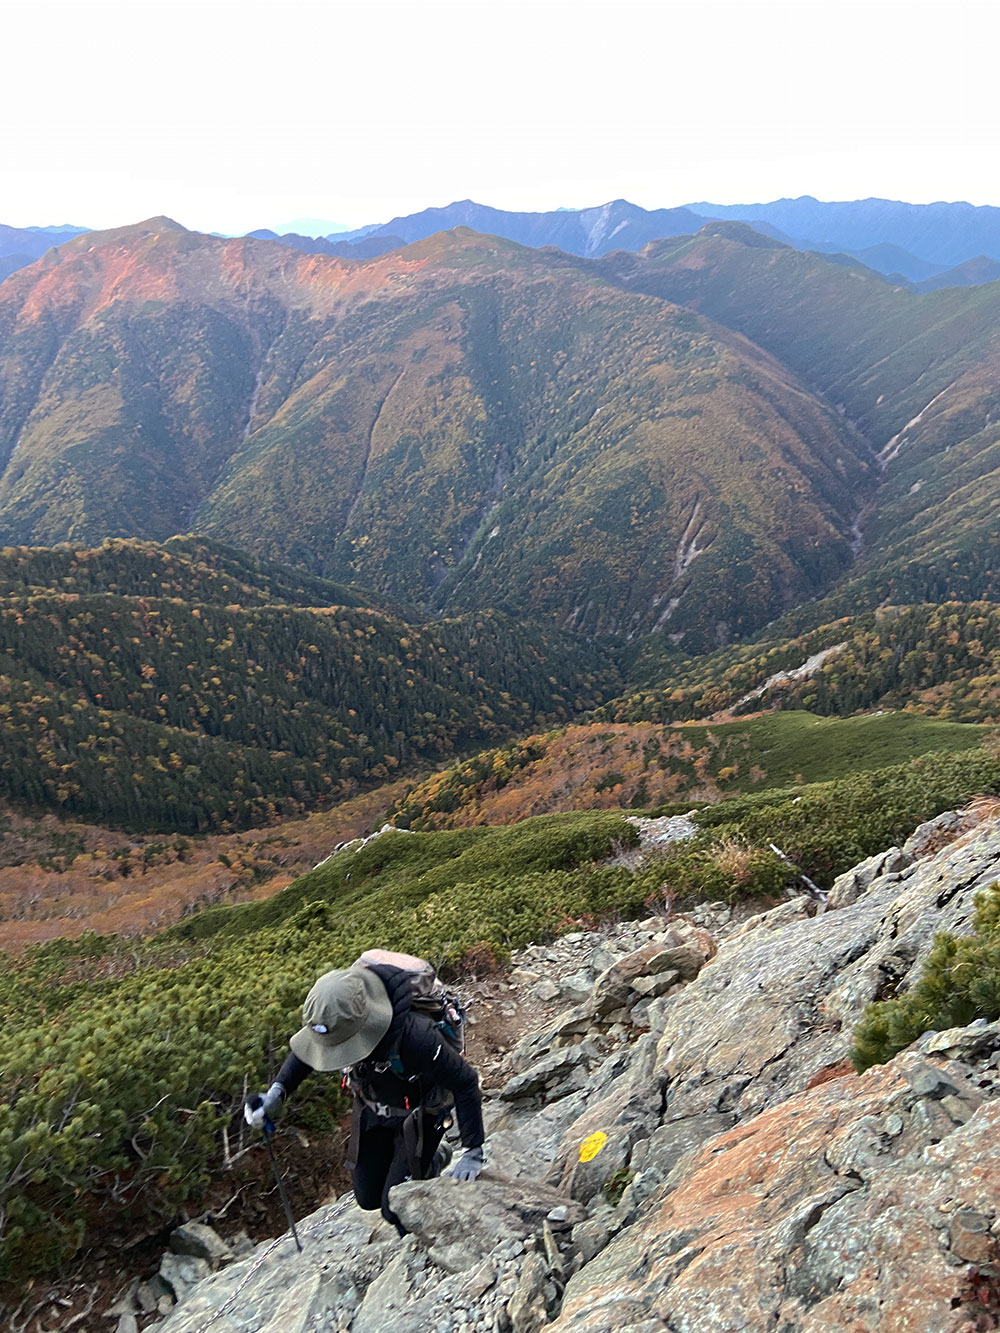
x: 403, y: 1068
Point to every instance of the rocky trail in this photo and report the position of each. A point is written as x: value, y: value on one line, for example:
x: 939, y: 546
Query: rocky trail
x: 677, y: 1144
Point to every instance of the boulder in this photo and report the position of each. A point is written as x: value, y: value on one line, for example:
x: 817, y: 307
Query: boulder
x: 979, y: 1040
x: 553, y: 1074
x: 200, y: 1242
x: 611, y: 990
x: 546, y: 990
x: 602, y: 958
x: 183, y: 1272
x: 849, y: 887
x: 577, y: 987
x: 148, y: 1294
x: 651, y: 988
x: 559, y: 1031
x: 524, y: 976
x: 462, y: 1224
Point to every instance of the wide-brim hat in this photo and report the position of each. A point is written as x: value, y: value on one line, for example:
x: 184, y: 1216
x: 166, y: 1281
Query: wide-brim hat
x: 346, y: 1015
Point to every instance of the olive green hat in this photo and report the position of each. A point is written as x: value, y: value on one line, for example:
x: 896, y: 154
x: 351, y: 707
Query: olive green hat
x: 346, y: 1015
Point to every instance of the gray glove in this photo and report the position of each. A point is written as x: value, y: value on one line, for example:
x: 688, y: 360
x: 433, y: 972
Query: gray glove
x: 468, y: 1165
x: 259, y: 1108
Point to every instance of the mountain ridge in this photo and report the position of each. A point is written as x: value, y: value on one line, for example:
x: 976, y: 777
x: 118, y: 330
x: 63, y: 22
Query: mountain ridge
x: 586, y: 231
x: 857, y: 224
x: 409, y: 405
x: 915, y: 373
x: 914, y: 242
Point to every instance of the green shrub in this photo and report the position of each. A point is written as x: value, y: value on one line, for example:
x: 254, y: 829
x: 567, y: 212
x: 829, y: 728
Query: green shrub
x: 829, y: 827
x: 616, y: 1185
x: 961, y: 983
x: 123, y: 1061
x: 136, y: 1054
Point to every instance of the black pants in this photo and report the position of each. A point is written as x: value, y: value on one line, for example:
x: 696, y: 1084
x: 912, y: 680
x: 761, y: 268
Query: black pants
x: 383, y: 1161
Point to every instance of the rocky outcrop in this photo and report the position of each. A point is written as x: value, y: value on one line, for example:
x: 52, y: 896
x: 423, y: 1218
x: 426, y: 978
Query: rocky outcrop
x: 684, y: 1149
x: 856, y: 1205
x: 780, y: 1002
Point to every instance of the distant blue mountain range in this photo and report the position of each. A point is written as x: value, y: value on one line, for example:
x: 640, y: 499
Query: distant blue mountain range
x: 943, y: 234
x: 911, y: 243
x: 919, y: 245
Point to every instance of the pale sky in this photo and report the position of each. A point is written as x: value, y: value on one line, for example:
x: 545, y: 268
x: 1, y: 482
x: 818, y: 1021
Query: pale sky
x: 234, y: 115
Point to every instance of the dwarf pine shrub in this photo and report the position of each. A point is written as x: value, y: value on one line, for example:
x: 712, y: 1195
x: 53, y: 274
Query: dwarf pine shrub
x: 123, y: 1061
x: 961, y: 983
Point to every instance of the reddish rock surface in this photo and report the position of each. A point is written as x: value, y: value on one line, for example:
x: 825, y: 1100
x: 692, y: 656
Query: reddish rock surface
x: 842, y: 1208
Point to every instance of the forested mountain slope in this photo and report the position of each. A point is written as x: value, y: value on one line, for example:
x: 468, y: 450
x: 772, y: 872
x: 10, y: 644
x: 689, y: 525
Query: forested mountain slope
x: 918, y: 374
x: 190, y: 569
x: 656, y: 766
x: 939, y: 660
x: 464, y: 422
x: 467, y: 423
x: 168, y: 713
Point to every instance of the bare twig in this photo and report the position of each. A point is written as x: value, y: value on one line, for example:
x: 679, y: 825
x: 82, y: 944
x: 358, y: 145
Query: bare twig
x: 79, y: 1318
x: 220, y: 1212
x: 243, y: 1152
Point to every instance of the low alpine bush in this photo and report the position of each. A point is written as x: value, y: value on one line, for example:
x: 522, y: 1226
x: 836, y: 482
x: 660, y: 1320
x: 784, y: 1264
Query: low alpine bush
x: 960, y: 983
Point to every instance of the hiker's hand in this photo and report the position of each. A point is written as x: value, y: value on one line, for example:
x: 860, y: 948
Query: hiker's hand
x: 469, y: 1164
x: 262, y: 1106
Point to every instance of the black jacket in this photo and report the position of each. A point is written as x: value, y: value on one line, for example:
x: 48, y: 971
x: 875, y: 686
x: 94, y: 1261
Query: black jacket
x: 428, y: 1060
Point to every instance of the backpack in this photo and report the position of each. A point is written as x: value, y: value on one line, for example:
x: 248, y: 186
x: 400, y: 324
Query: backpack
x: 385, y: 1084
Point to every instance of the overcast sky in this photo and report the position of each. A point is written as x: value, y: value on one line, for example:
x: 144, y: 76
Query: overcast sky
x: 230, y: 116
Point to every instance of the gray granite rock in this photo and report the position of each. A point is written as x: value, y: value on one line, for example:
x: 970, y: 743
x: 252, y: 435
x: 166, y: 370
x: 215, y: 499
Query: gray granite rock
x: 200, y: 1242
x: 652, y: 988
x: 577, y: 987
x: 849, y: 887
x: 552, y: 1074
x: 776, y: 1007
x: 462, y: 1224
x: 149, y: 1293
x: 526, y: 1308
x: 182, y: 1272
x: 624, y: 1113
x: 806, y: 1218
x: 345, y: 1247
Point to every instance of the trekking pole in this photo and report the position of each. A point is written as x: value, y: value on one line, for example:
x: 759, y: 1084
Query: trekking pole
x: 253, y: 1101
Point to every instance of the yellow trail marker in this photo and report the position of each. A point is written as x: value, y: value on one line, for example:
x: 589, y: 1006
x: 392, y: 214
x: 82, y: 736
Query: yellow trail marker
x: 592, y: 1145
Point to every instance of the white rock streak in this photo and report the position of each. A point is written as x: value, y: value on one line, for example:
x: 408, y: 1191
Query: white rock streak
x: 798, y: 673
